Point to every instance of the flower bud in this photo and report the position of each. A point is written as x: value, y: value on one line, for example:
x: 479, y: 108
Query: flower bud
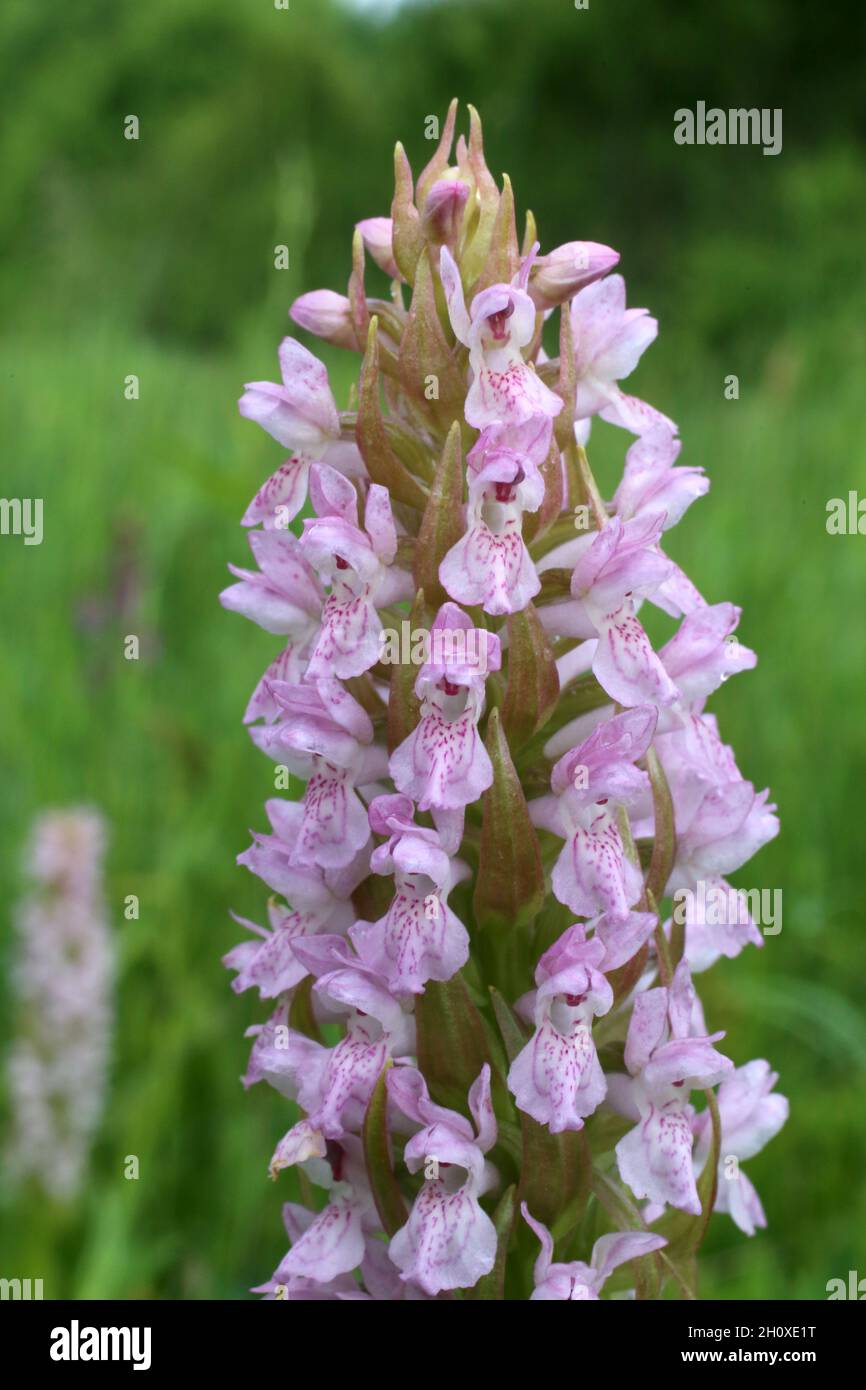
x: 378, y: 234
x: 443, y: 211
x: 559, y: 275
x: 328, y: 315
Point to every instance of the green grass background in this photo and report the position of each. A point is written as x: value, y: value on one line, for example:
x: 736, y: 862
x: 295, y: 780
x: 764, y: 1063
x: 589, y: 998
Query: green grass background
x: 156, y: 260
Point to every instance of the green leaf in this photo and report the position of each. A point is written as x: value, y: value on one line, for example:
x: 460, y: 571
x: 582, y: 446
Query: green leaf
x: 604, y: 1129
x: 555, y: 1175
x: 404, y: 707
x: 533, y: 684
x: 555, y: 585
x: 664, y: 833
x: 442, y: 522
x: 301, y: 1016
x: 377, y: 1156
x: 492, y: 1285
x: 537, y: 524
x: 626, y: 1216
x: 554, y: 918
x: 623, y: 980
x: 582, y: 487
x: 578, y: 697
x: 514, y: 1038
x: 383, y: 465
x: 452, y: 1042
x: 509, y: 889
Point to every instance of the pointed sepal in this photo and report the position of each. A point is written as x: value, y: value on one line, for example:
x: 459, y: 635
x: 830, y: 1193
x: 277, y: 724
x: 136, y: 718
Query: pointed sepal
x: 664, y: 831
x: 487, y: 197
x: 533, y: 683
x: 377, y: 1157
x: 452, y: 1042
x: 404, y: 707
x: 442, y: 523
x: 509, y: 890
x: 382, y: 463
x: 407, y: 236
x: 503, y: 256
x: 431, y: 371
x: 555, y: 1176
x: 437, y: 166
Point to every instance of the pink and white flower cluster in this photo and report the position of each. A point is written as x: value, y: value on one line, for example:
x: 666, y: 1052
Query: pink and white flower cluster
x: 62, y: 978
x: 467, y: 956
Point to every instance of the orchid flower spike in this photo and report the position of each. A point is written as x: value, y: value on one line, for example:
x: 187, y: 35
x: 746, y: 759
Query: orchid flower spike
x: 508, y: 847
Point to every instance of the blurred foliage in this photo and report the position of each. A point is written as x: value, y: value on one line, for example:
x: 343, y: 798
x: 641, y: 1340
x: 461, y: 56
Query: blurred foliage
x: 238, y: 101
x: 258, y: 127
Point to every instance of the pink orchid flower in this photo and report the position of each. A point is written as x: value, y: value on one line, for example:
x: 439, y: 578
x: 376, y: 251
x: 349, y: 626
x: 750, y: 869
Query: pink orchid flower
x: 665, y: 1063
x: 593, y: 873
x: 720, y: 819
x: 557, y: 1078
x: 717, y: 923
x: 283, y: 596
x: 609, y: 341
x: 328, y: 1245
x: 404, y: 788
x: 444, y: 206
x: 578, y: 1282
x: 490, y: 564
x: 419, y: 938
x: 443, y: 763
x: 320, y: 901
x: 702, y: 655
x: 359, y: 568
x: 652, y: 482
x: 505, y: 389
x: 614, y: 569
x: 326, y: 737
x: 449, y: 1241
x: 302, y: 416
x: 653, y: 486
x: 332, y: 1084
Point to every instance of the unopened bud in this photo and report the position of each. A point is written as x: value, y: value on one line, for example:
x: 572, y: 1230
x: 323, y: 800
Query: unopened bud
x: 443, y: 211
x: 378, y: 234
x: 328, y: 315
x: 559, y: 275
